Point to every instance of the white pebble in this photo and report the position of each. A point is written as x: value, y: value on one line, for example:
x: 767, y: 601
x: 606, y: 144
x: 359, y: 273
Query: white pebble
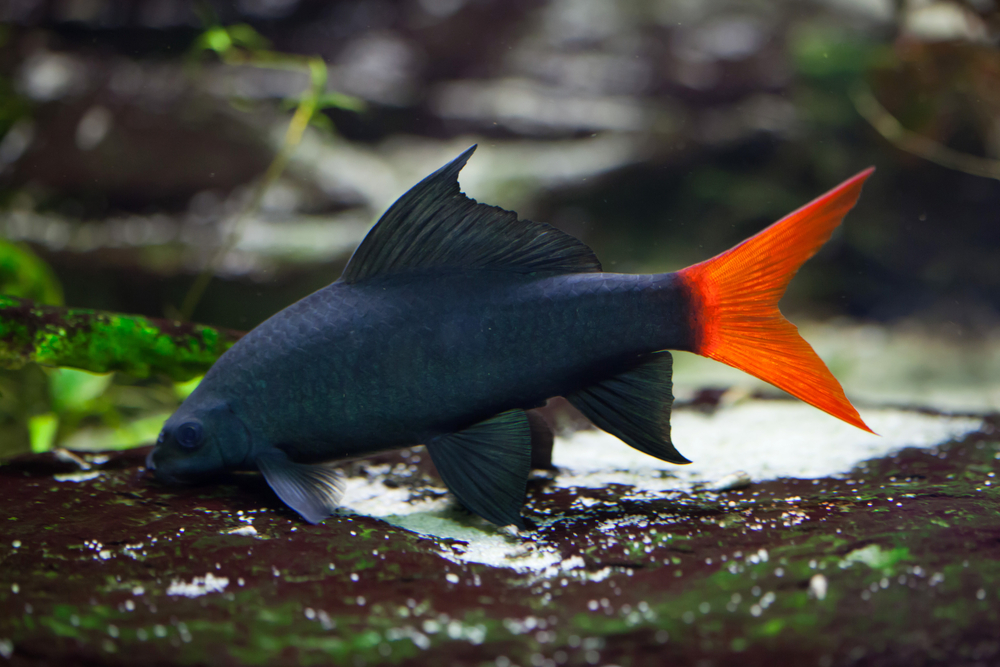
x: 817, y: 586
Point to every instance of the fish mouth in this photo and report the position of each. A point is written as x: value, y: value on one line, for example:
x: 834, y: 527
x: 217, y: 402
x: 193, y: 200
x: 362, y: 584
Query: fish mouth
x: 167, y: 473
x: 161, y: 475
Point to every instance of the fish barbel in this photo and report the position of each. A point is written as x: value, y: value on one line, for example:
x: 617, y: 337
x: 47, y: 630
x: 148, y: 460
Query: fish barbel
x: 453, y: 318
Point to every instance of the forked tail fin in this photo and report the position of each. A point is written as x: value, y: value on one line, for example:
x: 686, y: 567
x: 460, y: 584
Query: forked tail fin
x: 734, y: 303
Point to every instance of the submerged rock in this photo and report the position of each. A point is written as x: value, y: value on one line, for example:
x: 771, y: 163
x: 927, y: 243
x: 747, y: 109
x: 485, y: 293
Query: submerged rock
x: 830, y: 557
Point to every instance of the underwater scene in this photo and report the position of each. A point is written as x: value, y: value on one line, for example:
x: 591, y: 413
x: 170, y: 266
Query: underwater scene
x: 447, y: 332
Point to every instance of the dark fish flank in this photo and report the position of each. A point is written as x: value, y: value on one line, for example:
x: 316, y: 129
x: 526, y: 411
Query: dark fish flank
x: 453, y: 318
x: 393, y: 362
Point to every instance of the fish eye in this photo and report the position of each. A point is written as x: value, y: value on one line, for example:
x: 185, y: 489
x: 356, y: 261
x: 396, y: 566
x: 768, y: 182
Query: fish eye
x: 188, y: 434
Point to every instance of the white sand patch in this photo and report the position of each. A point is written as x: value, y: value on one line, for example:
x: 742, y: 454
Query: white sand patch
x: 485, y: 543
x: 77, y: 476
x: 372, y: 496
x: 766, y: 439
x: 198, y: 586
x: 437, y: 516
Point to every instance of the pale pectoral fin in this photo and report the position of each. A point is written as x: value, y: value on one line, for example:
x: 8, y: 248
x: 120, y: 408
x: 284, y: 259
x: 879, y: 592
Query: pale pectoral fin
x: 486, y: 466
x: 635, y: 406
x: 312, y: 490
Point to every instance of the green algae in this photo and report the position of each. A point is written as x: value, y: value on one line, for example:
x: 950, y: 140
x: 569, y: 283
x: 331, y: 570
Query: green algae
x: 261, y: 638
x: 876, y: 558
x: 102, y: 342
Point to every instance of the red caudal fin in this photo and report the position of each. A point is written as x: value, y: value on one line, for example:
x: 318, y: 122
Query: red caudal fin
x: 734, y: 303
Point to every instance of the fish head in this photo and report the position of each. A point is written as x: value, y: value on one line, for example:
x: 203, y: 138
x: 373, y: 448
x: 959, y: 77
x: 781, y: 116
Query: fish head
x: 198, y: 442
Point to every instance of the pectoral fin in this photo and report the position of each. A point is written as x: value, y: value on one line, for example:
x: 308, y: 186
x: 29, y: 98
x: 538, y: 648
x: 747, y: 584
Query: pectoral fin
x: 486, y: 466
x: 312, y: 490
x: 635, y: 406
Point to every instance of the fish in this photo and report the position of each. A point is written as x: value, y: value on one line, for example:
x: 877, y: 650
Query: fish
x: 453, y: 319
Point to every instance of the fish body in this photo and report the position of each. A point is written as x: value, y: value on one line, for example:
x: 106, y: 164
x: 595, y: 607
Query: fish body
x: 396, y: 361
x: 451, y: 320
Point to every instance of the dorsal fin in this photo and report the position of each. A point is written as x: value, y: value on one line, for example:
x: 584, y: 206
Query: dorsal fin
x: 435, y: 226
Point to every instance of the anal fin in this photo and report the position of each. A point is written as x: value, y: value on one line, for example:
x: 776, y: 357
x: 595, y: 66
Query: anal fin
x: 312, y: 490
x: 486, y: 466
x: 635, y: 407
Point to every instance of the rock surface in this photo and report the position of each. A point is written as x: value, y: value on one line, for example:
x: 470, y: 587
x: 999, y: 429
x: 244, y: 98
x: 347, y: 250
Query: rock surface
x: 867, y: 551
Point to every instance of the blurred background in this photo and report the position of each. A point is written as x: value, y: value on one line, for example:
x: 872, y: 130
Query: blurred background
x: 214, y: 162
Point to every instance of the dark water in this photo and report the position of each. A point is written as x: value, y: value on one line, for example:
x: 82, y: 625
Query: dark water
x: 657, y: 132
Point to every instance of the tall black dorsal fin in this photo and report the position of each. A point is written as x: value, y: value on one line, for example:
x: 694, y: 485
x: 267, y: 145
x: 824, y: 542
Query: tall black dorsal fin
x: 434, y: 225
x: 486, y: 466
x: 635, y: 406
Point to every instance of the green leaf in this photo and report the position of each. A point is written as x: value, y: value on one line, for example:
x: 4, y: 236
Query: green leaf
x: 43, y: 429
x: 183, y: 389
x: 222, y: 39
x: 244, y: 35
x: 216, y: 39
x: 74, y: 390
x: 131, y: 434
x: 23, y: 274
x: 341, y: 101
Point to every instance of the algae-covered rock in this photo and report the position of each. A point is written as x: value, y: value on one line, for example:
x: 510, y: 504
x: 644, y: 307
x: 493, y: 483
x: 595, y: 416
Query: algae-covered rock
x: 829, y: 559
